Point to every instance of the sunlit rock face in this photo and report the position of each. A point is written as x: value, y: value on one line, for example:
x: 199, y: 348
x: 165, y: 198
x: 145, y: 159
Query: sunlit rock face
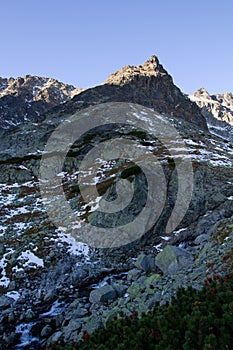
x: 28, y: 98
x: 149, y: 85
x: 218, y: 111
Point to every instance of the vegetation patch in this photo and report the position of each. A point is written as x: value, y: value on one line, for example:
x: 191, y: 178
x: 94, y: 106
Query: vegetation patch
x: 224, y: 229
x: 193, y: 320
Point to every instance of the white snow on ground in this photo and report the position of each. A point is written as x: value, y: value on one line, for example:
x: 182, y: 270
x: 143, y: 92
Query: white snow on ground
x: 26, y: 339
x: 219, y: 153
x: 221, y: 163
x: 13, y: 294
x: 158, y: 247
x: 230, y: 151
x: 191, y: 142
x: 2, y: 230
x: 62, y: 174
x: 5, y: 187
x: 165, y: 238
x: 203, y: 99
x: 7, y: 198
x: 21, y: 226
x: 74, y: 247
x: 148, y: 120
x: 22, y: 167
x: 217, y: 127
x: 176, y: 233
x: 16, y: 269
x: 31, y: 259
x: 18, y: 211
x: 94, y: 205
x: 4, y: 280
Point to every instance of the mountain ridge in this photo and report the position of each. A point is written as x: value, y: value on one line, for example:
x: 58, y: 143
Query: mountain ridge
x: 220, y: 105
x: 31, y: 97
x: 218, y: 111
x: 28, y: 98
x: 148, y: 84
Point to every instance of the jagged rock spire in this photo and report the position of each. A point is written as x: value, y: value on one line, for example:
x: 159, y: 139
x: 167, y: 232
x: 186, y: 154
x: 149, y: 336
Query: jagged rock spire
x: 149, y: 68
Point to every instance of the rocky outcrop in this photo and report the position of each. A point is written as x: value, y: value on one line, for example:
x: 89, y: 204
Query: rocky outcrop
x: 128, y: 74
x: 173, y: 259
x: 149, y: 85
x: 28, y: 98
x: 145, y: 263
x: 220, y: 105
x: 103, y: 294
x: 218, y: 111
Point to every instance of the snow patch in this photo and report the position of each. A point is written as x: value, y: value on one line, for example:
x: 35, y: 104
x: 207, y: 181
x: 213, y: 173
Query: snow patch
x: 74, y: 247
x: 4, y: 280
x: 158, y: 247
x: 31, y: 258
x: 165, y: 238
x: 13, y: 294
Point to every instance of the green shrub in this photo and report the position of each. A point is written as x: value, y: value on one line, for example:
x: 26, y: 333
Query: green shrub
x: 193, y: 320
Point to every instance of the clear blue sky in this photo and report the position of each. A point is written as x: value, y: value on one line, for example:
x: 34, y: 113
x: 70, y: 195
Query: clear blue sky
x: 82, y: 42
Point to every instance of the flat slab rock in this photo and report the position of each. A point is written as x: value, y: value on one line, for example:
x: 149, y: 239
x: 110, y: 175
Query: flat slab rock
x: 103, y: 294
x: 172, y: 259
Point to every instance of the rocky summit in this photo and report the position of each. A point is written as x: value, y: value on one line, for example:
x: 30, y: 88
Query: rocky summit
x: 28, y: 98
x: 133, y: 139
x: 148, y: 85
x: 218, y: 111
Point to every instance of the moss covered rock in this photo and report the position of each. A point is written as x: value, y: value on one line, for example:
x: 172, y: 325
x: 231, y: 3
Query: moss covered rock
x: 173, y: 259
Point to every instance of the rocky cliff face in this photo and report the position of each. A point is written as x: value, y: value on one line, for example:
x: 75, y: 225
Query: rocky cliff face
x: 148, y: 85
x: 27, y: 99
x: 128, y: 74
x: 220, y: 105
x: 218, y: 111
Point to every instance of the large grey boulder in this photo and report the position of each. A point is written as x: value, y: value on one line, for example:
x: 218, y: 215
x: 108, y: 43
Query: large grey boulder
x: 120, y: 289
x: 46, y: 331
x: 54, y: 338
x: 145, y: 262
x: 103, y: 294
x: 133, y: 275
x: 172, y: 259
x: 71, y: 331
x: 5, y: 302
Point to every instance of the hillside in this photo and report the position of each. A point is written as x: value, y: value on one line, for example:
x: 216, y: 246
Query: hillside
x: 109, y: 202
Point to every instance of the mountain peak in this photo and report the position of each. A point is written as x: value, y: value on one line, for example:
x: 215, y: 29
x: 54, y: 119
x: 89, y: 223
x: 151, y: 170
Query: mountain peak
x: 201, y: 91
x: 153, y: 60
x: 125, y: 75
x: 217, y: 106
x: 33, y: 86
x: 152, y: 63
x: 29, y: 97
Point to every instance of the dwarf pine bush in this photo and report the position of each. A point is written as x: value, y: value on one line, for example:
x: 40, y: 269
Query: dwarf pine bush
x: 193, y: 320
